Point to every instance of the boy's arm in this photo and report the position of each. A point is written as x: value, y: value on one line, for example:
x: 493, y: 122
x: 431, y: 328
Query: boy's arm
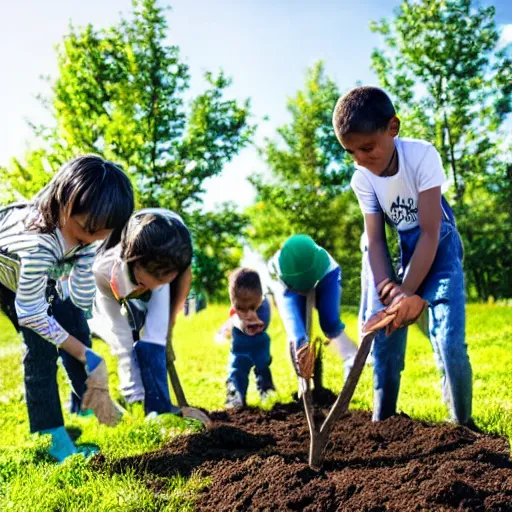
x: 378, y: 252
x: 429, y: 217
x: 180, y: 288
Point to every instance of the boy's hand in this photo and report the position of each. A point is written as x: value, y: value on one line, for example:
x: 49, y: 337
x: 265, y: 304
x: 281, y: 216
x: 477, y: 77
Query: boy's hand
x: 404, y: 312
x: 407, y: 310
x: 388, y: 291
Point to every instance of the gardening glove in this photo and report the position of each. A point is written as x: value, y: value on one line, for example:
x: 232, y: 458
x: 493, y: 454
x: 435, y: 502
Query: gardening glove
x: 388, y: 290
x: 97, y: 396
x: 304, y: 358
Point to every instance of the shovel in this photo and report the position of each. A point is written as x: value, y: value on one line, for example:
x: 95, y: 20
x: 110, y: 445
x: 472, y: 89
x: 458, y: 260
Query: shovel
x: 320, y: 436
x: 186, y: 410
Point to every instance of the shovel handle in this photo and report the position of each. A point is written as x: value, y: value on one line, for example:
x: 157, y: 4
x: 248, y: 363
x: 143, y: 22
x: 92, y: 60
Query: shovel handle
x: 171, y: 368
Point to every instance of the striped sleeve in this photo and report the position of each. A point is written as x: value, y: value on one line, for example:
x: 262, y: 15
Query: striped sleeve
x: 30, y: 302
x: 81, y: 283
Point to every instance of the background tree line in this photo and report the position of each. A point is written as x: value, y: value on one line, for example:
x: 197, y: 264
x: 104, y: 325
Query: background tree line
x: 120, y: 92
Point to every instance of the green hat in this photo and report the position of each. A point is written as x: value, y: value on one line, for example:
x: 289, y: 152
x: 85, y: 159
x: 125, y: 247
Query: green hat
x: 302, y: 263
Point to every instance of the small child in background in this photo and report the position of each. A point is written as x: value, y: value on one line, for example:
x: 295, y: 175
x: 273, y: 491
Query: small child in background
x: 47, y: 248
x: 250, y: 347
x: 300, y: 266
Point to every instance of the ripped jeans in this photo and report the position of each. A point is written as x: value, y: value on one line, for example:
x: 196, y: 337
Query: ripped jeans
x: 443, y: 289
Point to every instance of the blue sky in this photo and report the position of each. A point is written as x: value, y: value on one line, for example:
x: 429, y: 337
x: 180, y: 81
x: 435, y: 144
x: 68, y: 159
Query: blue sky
x: 265, y: 45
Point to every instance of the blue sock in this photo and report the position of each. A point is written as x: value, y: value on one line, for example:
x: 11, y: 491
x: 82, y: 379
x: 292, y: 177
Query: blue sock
x: 92, y: 360
x: 62, y: 446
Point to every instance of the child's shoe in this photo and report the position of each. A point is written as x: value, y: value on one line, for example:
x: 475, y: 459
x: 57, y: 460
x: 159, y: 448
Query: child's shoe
x: 63, y: 447
x: 234, y: 399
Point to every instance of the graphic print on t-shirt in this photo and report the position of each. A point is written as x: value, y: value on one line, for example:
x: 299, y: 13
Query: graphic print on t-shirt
x: 403, y: 210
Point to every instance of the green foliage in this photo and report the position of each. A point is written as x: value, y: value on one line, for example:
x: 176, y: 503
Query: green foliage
x: 217, y: 236
x: 453, y: 87
x: 308, y: 188
x: 121, y: 92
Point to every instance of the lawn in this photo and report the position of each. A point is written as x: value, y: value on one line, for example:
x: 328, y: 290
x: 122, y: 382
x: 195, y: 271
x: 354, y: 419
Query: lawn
x: 30, y: 481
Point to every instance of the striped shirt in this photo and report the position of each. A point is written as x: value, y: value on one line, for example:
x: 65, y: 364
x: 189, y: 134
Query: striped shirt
x: 29, y: 259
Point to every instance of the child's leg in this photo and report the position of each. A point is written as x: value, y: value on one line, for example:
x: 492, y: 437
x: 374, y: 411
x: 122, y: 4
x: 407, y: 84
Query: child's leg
x: 262, y: 359
x: 153, y: 369
x: 444, y: 289
x: 40, y: 376
x: 328, y: 297
x: 151, y: 354
x: 388, y: 364
x: 239, y: 365
x: 388, y: 353
x: 40, y: 372
x: 73, y: 320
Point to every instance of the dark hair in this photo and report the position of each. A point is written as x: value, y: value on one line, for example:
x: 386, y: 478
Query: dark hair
x: 362, y: 110
x: 157, y: 242
x: 244, y: 279
x: 91, y: 186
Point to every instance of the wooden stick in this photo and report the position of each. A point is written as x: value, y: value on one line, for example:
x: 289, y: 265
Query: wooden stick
x: 340, y: 407
x: 307, y: 397
x: 186, y: 410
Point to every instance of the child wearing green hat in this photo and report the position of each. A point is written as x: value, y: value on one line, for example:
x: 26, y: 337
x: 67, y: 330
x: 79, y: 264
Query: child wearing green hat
x: 302, y: 265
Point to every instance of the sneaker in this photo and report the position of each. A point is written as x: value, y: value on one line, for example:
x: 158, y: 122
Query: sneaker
x: 234, y: 400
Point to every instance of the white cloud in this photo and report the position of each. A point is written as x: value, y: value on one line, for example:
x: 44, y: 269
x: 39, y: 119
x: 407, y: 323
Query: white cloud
x: 506, y: 35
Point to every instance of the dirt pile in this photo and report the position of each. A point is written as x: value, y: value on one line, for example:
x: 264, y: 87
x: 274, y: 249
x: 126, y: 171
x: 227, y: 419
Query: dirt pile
x: 258, y: 461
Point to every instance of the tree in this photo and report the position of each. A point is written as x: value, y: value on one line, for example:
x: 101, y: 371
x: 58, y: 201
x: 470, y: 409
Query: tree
x: 120, y: 92
x: 452, y: 86
x: 217, y: 236
x: 308, y: 188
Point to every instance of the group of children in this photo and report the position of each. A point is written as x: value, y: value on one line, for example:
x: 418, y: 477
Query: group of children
x: 77, y: 250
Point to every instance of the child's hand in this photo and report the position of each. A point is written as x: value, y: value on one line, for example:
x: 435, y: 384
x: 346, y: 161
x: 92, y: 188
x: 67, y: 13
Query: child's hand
x: 253, y: 328
x: 388, y: 291
x: 407, y: 310
x: 306, y: 361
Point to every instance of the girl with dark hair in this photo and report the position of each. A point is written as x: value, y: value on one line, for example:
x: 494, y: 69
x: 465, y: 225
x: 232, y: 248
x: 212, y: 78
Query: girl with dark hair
x: 47, y: 248
x: 142, y: 283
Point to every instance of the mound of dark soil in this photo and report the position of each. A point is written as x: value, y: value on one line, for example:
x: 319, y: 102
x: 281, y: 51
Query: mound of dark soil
x: 258, y: 461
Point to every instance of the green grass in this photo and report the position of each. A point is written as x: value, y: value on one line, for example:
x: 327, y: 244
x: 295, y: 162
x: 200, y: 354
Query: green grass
x: 30, y: 481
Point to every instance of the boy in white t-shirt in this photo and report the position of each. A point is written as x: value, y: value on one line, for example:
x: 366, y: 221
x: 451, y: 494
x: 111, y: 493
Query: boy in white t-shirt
x: 399, y: 180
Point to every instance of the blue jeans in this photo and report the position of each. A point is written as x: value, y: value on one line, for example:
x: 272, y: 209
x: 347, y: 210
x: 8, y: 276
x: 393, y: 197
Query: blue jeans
x: 247, y: 352
x: 292, y: 309
x: 443, y: 288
